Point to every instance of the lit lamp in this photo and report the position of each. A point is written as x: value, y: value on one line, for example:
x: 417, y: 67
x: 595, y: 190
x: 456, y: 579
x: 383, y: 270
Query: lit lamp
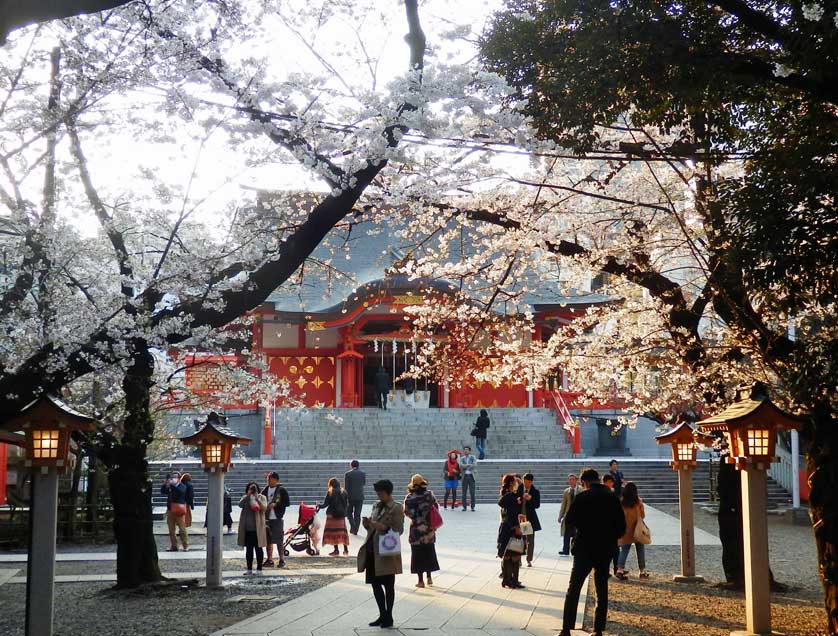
x: 684, y: 449
x: 47, y: 424
x: 216, y: 442
x: 750, y: 425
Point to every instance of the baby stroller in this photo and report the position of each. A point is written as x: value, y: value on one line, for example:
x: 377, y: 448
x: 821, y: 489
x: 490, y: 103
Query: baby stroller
x: 307, y: 533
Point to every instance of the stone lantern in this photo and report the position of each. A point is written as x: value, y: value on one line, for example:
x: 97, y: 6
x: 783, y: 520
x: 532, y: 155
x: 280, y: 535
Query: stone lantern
x: 216, y: 442
x: 750, y: 425
x: 47, y: 424
x: 684, y: 448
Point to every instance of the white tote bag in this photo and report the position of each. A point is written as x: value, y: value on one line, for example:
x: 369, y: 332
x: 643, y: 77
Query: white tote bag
x: 389, y: 543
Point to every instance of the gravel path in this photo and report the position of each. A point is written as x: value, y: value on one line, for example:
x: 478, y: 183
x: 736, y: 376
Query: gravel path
x: 659, y: 607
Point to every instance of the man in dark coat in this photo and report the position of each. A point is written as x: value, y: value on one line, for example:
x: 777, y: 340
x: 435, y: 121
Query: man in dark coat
x: 617, y: 475
x: 382, y: 387
x: 599, y: 521
x: 530, y: 503
x: 481, y: 426
x: 353, y: 483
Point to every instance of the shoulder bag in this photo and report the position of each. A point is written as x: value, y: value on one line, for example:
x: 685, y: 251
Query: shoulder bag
x: 642, y: 534
x: 434, y: 518
x: 178, y: 509
x: 516, y: 544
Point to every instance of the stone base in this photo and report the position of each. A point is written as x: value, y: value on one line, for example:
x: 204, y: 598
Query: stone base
x: 798, y: 516
x: 678, y: 578
x: 745, y: 632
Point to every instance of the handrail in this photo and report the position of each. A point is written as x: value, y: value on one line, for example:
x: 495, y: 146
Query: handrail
x: 565, y: 419
x: 781, y: 470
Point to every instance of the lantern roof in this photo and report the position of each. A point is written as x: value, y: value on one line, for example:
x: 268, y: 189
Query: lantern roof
x: 215, y: 431
x: 15, y: 439
x: 49, y: 409
x: 683, y: 434
x: 757, y: 409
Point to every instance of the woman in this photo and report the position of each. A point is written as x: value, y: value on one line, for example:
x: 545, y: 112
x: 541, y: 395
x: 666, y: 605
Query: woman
x: 228, y: 511
x: 422, y: 536
x: 451, y: 477
x: 335, y: 532
x: 381, y: 569
x: 186, y: 480
x: 633, y: 509
x: 252, y: 533
x: 479, y: 433
x: 510, y: 505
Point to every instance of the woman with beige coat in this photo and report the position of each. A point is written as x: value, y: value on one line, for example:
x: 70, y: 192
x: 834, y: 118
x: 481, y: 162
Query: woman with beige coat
x: 634, y: 510
x: 381, y: 569
x: 252, y: 529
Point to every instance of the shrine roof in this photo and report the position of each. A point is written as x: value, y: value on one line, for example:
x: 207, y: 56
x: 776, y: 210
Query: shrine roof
x: 361, y: 263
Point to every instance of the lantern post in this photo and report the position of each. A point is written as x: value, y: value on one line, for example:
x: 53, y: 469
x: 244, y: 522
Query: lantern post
x: 750, y: 425
x: 683, y: 441
x: 47, y: 424
x: 216, y: 442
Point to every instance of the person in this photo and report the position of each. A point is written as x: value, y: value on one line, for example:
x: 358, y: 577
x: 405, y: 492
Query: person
x: 479, y: 433
x: 228, y: 510
x: 186, y: 480
x: 422, y: 536
x: 568, y: 496
x: 530, y: 504
x: 633, y: 509
x: 617, y: 475
x: 599, y: 521
x: 382, y: 388
x: 451, y: 478
x: 510, y: 526
x: 354, y: 482
x: 468, y: 470
x: 608, y: 482
x: 381, y: 569
x: 176, y: 508
x: 335, y: 504
x: 252, y: 528
x: 278, y: 502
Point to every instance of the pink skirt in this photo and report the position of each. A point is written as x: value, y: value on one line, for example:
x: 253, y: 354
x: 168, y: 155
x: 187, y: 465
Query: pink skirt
x: 335, y: 531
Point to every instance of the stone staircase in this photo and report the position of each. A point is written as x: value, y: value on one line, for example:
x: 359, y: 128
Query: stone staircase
x: 371, y: 433
x: 306, y: 480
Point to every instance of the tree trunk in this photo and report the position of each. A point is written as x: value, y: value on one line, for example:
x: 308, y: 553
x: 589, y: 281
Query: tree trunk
x: 823, y: 502
x: 128, y: 478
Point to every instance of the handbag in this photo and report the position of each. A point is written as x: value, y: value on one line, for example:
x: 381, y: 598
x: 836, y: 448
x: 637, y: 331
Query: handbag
x: 389, y: 543
x: 526, y: 528
x: 642, y: 534
x: 435, y: 518
x: 254, y: 504
x: 516, y: 544
x: 178, y: 509
x: 474, y: 432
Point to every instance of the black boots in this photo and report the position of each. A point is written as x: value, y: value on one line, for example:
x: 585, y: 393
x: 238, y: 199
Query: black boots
x: 510, y: 570
x: 387, y: 619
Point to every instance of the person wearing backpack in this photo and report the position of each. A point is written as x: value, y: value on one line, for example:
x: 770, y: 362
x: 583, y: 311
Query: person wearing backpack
x: 336, y: 504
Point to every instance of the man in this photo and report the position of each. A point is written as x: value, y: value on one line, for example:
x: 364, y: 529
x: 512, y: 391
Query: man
x: 468, y: 468
x: 568, y: 496
x: 608, y: 481
x: 481, y: 426
x: 382, y: 387
x: 617, y: 475
x: 176, y: 506
x: 278, y: 502
x: 530, y: 502
x: 353, y: 483
x: 599, y: 521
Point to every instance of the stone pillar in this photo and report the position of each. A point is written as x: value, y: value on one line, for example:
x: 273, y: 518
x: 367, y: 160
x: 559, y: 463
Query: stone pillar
x: 685, y: 502
x: 795, y: 468
x: 530, y: 401
x: 215, y: 518
x: 755, y: 525
x: 40, y: 572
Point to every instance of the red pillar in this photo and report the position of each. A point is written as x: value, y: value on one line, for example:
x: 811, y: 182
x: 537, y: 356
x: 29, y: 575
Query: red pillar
x: 268, y: 430
x: 349, y: 379
x: 4, y: 456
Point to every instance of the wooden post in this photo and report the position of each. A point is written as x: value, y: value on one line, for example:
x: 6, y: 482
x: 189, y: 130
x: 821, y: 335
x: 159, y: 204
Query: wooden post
x: 215, y: 517
x: 757, y: 581
x: 40, y: 572
x: 685, y: 503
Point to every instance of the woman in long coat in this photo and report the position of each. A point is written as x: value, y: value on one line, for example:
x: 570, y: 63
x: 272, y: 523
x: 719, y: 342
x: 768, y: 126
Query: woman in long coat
x: 381, y: 569
x: 510, y: 505
x: 634, y: 510
x: 335, y: 504
x: 252, y: 533
x: 417, y: 507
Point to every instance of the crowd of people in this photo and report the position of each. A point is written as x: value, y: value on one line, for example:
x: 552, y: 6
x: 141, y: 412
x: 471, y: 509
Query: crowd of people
x: 599, y: 519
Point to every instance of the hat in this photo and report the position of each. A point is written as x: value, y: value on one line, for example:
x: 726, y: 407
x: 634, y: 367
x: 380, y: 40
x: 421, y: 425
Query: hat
x: 417, y: 481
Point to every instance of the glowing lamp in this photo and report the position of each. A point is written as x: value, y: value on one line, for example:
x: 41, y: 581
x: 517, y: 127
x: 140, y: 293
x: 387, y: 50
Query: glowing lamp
x: 684, y: 445
x: 750, y: 426
x: 47, y: 424
x: 216, y: 442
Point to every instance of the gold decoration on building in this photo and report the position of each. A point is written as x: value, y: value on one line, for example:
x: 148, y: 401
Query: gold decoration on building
x: 284, y: 359
x: 317, y: 359
x: 292, y: 368
x: 301, y: 359
x: 331, y: 382
x: 308, y: 369
x: 300, y: 382
x: 408, y: 299
x: 317, y: 382
x: 316, y: 326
